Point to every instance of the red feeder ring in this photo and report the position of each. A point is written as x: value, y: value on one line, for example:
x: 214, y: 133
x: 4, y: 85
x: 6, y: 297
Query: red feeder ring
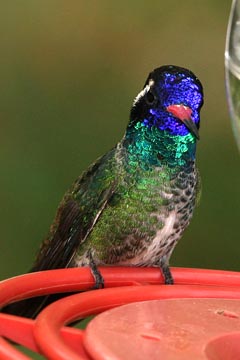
x: 46, y: 333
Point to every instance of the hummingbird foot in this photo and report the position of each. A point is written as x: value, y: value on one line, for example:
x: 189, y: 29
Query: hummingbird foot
x: 168, y: 279
x: 99, y: 280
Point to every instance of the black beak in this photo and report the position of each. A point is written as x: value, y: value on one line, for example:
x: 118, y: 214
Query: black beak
x: 191, y: 127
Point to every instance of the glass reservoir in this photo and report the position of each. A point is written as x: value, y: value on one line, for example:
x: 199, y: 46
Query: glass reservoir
x: 232, y: 67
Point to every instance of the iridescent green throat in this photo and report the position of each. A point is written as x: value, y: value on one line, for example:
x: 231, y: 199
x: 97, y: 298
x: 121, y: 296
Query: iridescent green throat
x: 150, y: 147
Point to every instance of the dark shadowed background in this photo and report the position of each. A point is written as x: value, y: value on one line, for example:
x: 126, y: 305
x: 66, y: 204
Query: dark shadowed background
x: 69, y: 71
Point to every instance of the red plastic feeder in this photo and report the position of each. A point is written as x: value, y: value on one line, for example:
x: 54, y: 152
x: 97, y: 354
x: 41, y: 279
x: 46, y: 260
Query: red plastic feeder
x: 197, y: 318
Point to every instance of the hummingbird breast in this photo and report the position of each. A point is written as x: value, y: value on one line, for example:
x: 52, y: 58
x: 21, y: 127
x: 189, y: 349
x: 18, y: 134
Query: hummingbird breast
x: 144, y: 219
x: 179, y: 198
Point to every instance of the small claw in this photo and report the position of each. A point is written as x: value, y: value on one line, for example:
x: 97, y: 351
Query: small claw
x: 99, y: 280
x: 168, y: 279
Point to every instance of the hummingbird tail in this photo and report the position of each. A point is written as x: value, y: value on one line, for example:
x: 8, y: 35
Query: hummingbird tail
x: 30, y: 308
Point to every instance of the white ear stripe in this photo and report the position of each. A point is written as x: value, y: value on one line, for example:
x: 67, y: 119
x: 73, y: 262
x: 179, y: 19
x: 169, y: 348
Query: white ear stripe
x: 141, y: 94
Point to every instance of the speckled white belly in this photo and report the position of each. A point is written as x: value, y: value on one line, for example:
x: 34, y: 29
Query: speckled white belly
x: 158, y: 245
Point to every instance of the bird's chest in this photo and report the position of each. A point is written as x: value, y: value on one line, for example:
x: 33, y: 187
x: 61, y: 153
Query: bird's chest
x: 176, y: 204
x: 144, y: 220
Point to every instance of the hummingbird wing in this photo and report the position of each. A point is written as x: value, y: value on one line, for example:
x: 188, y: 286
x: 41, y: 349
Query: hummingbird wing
x: 77, y: 215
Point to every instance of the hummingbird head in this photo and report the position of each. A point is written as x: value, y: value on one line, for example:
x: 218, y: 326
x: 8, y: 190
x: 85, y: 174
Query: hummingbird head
x: 170, y: 101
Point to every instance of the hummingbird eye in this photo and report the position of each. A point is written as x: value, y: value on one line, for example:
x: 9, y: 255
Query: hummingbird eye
x: 150, y: 98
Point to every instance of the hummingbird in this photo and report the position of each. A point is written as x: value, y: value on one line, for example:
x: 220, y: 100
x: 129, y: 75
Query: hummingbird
x: 131, y: 206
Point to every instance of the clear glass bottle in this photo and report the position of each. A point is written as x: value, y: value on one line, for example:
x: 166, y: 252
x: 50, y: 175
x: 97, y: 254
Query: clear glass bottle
x: 232, y: 66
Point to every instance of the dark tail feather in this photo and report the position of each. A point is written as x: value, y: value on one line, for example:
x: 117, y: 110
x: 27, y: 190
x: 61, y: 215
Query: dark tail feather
x: 30, y: 308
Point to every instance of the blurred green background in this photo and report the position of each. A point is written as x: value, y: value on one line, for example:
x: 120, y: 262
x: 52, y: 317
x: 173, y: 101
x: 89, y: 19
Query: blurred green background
x: 69, y: 71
